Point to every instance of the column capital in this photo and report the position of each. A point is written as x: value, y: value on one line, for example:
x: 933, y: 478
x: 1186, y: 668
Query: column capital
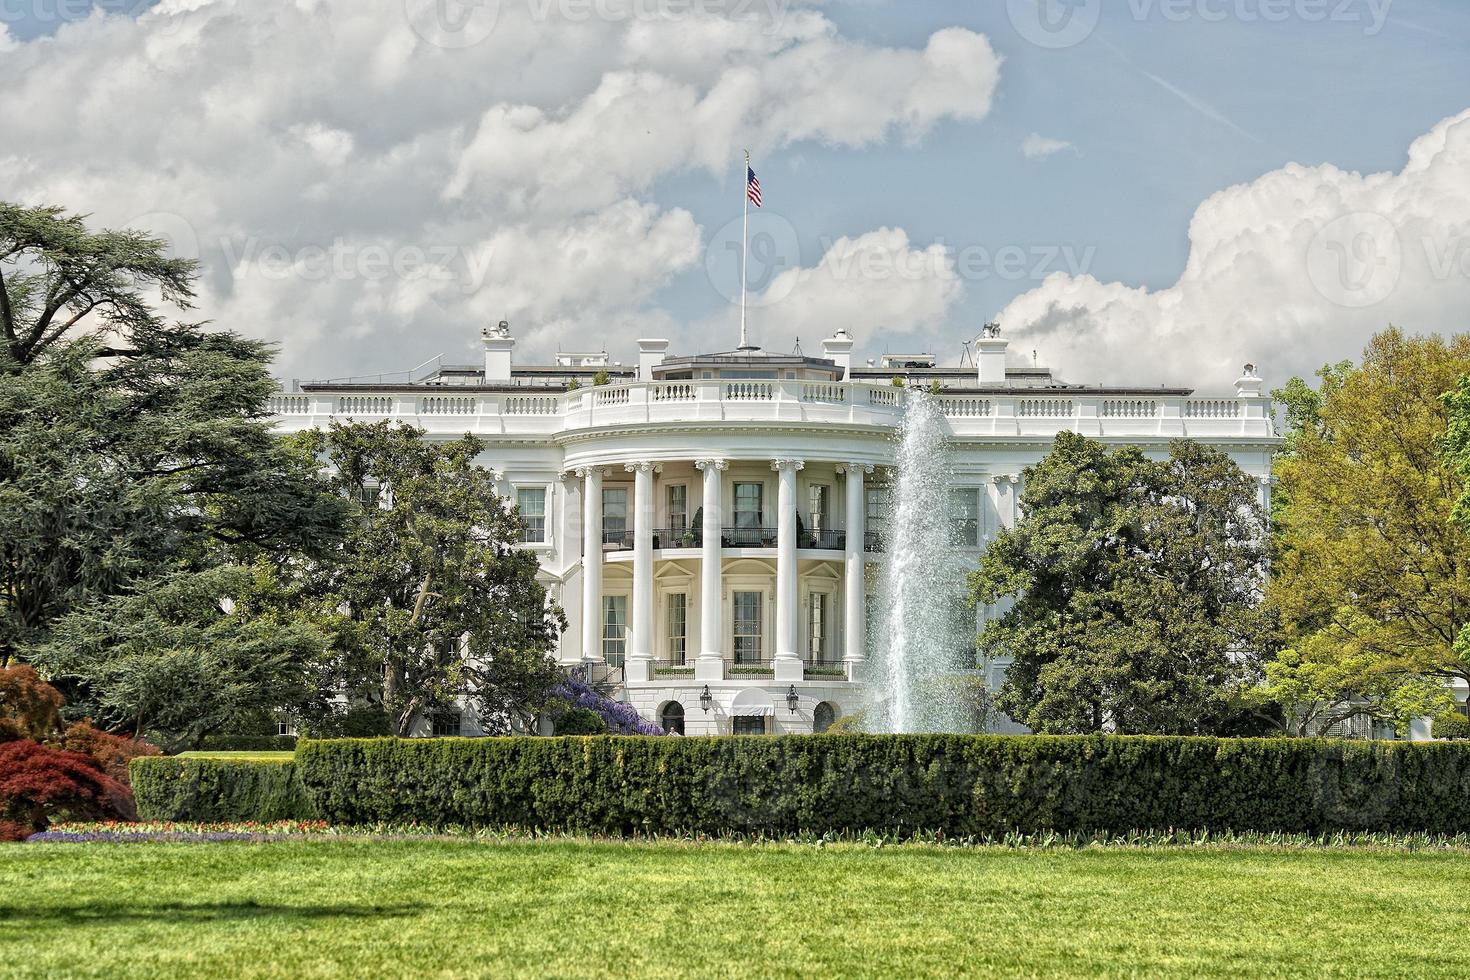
x: 643, y: 466
x: 583, y: 472
x: 707, y: 464
x: 1005, y: 478
x: 795, y: 464
x: 864, y: 468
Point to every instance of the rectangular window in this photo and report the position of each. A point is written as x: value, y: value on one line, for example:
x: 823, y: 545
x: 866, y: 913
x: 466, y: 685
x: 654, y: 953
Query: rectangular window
x: 816, y: 625
x: 678, y: 507
x: 614, y: 515
x: 748, y: 726
x: 444, y: 724
x: 531, y: 502
x: 820, y: 502
x: 614, y: 629
x: 964, y: 517
x: 368, y: 495
x: 875, y: 516
x: 747, y: 620
x: 678, y: 628
x: 748, y: 504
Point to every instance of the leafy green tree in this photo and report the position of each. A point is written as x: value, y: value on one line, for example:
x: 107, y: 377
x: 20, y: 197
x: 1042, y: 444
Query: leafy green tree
x: 1371, y: 573
x: 57, y: 277
x: 116, y: 472
x: 1137, y: 592
x: 428, y: 599
x: 189, y: 656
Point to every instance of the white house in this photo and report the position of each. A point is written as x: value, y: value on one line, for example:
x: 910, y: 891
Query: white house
x: 713, y: 524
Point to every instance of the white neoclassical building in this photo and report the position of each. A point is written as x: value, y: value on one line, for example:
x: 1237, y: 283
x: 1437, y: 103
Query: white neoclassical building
x: 714, y: 524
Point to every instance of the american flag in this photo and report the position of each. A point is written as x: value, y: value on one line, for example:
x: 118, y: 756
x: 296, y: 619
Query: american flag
x: 752, y: 187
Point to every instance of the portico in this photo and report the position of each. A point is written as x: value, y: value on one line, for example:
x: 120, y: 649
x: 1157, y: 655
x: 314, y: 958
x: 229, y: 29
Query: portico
x: 781, y: 579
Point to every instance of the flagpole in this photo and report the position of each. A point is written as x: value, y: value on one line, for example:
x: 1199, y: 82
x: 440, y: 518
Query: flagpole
x: 744, y: 246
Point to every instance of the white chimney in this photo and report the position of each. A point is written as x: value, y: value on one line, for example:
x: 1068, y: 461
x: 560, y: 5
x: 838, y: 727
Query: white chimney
x: 839, y: 348
x: 651, y: 354
x: 498, y: 345
x: 1249, y: 384
x: 990, y: 356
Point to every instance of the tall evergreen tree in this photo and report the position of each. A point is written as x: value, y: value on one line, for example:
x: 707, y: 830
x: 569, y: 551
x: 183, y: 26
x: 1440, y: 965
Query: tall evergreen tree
x: 135, y: 454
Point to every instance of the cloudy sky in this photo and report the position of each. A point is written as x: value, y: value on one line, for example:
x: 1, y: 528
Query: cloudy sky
x: 1142, y: 191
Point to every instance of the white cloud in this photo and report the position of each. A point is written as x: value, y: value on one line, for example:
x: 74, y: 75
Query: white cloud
x: 1038, y: 147
x: 1292, y: 270
x: 288, y: 137
x: 875, y: 285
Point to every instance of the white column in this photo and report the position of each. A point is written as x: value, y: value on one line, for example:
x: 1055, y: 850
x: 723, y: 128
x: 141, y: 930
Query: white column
x: 711, y: 663
x: 788, y: 658
x: 591, y: 562
x: 639, y: 667
x: 855, y: 574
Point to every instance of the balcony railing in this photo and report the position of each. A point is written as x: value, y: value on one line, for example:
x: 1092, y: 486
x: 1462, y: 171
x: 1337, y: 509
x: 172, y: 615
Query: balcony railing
x: 730, y: 537
x: 828, y: 540
x: 975, y: 411
x: 749, y: 667
x: 748, y: 537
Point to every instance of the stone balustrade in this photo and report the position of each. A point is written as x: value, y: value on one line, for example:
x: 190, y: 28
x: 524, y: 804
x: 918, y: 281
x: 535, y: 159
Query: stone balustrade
x: 989, y: 413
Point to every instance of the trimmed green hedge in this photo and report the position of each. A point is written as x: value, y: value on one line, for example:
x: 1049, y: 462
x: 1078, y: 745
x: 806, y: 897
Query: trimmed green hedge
x: 960, y: 785
x: 249, y: 743
x: 174, y: 788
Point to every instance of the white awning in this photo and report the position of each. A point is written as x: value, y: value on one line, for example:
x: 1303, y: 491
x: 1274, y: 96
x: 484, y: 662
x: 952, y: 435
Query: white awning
x: 752, y: 703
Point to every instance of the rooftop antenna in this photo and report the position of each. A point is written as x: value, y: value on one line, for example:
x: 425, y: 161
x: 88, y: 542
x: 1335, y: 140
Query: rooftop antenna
x: 1033, y: 359
x: 797, y: 349
x: 967, y: 357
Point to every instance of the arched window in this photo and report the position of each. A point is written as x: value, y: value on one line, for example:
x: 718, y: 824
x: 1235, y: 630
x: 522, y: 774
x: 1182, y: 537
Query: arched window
x: 823, y: 717
x: 671, y: 719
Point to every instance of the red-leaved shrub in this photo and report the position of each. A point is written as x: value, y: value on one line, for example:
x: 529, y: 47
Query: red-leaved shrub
x: 39, y: 784
x: 10, y: 831
x: 29, y: 707
x: 112, y: 752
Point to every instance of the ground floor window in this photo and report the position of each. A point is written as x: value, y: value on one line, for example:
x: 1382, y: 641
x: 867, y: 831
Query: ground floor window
x: 678, y: 628
x: 444, y: 724
x: 823, y: 717
x: 614, y: 629
x: 747, y: 621
x: 671, y: 719
x: 817, y: 626
x: 749, y: 726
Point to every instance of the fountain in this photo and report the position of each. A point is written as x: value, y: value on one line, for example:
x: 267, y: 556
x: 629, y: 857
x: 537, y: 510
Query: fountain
x: 923, y: 623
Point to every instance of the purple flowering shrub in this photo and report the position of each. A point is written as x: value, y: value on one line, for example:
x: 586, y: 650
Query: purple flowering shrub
x: 622, y: 719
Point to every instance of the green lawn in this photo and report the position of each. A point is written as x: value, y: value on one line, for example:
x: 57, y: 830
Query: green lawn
x: 437, y: 908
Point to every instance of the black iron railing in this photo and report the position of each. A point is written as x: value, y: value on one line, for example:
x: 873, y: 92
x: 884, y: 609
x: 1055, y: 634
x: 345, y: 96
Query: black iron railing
x: 823, y: 540
x: 748, y: 537
x: 749, y: 665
